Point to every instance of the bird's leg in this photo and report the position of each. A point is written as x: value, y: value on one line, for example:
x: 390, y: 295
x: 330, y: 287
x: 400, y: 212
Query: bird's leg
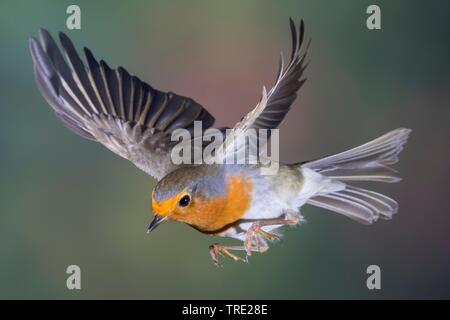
x: 255, y: 231
x: 216, y: 250
x: 253, y: 241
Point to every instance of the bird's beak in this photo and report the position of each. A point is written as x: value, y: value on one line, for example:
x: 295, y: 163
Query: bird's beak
x: 157, y: 220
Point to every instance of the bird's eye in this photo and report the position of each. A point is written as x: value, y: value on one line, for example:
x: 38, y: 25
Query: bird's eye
x: 185, y: 201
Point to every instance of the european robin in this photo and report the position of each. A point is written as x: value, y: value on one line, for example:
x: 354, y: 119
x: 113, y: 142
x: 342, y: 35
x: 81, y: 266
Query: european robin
x: 136, y: 121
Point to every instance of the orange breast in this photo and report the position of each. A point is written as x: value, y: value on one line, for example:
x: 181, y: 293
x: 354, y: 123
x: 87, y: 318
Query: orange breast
x: 217, y: 215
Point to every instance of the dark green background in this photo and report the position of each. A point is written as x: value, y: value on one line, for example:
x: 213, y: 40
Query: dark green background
x: 64, y: 200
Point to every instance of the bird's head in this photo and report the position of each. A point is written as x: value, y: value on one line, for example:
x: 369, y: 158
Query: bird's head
x: 186, y: 195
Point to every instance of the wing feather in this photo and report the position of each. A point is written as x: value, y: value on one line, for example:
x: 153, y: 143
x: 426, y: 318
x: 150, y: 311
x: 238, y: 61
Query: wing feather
x: 110, y: 106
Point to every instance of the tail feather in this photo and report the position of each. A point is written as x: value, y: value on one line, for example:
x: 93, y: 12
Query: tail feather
x: 362, y: 205
x: 362, y: 171
x: 368, y: 162
x: 384, y: 205
x: 348, y: 208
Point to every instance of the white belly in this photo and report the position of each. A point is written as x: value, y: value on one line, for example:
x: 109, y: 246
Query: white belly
x: 272, y: 198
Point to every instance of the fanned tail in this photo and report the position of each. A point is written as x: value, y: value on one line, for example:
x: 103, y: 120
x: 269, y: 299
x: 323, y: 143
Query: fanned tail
x: 368, y: 162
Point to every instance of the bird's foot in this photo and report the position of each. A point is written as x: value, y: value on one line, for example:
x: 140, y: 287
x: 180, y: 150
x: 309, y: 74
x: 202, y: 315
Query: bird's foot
x: 255, y: 232
x: 216, y: 250
x: 253, y: 242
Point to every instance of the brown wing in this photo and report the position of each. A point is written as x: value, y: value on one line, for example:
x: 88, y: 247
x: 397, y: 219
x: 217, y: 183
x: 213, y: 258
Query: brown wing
x: 111, y: 106
x: 288, y: 82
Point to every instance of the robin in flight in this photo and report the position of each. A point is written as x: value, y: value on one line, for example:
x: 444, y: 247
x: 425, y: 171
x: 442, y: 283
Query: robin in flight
x: 135, y: 121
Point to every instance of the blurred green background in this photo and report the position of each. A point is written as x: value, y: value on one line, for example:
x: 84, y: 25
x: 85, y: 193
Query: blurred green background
x: 65, y: 200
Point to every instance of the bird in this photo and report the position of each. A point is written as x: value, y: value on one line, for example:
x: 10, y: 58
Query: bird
x: 232, y: 200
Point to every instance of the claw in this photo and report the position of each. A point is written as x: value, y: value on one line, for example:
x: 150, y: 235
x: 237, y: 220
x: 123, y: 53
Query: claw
x: 267, y: 235
x: 227, y: 253
x: 217, y: 249
x: 252, y: 234
x: 214, y: 254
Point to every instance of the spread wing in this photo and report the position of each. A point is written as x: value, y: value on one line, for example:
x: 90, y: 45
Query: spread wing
x: 275, y: 104
x: 110, y: 106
